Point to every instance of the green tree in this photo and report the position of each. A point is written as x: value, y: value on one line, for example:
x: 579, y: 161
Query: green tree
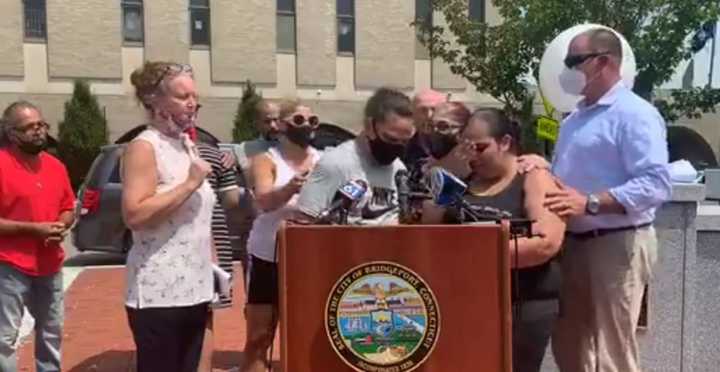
x: 82, y: 132
x: 498, y: 58
x: 244, y: 127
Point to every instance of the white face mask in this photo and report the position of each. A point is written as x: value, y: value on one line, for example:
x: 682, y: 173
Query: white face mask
x: 572, y: 81
x: 173, y: 125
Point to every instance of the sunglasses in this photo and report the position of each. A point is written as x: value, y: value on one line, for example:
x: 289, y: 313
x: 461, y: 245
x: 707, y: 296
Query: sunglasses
x: 445, y: 126
x: 34, y: 127
x: 172, y: 70
x: 573, y: 60
x: 299, y: 120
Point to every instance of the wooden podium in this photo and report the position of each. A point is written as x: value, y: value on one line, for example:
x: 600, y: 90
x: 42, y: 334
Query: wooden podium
x: 465, y: 267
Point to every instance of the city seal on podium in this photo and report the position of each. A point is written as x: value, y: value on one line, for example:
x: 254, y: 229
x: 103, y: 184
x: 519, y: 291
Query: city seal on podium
x: 382, y: 317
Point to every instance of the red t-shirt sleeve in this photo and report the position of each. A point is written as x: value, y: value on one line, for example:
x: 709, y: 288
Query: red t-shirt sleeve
x: 68, y: 196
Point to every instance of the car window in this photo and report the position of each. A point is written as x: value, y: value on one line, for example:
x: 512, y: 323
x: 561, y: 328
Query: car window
x: 115, y: 175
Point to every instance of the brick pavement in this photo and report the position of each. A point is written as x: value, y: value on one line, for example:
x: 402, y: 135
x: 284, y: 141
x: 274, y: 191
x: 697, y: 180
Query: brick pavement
x: 97, y: 337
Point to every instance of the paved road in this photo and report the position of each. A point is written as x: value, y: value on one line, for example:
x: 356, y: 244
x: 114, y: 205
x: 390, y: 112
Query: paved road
x: 74, y: 258
x: 75, y: 263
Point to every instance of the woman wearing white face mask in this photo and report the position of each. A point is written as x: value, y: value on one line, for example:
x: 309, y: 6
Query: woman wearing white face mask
x: 167, y: 203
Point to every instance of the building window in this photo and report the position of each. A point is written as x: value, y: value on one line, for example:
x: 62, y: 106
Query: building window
x: 477, y: 10
x: 423, y: 17
x: 132, y: 11
x: 346, y: 26
x: 286, y: 26
x: 35, y: 19
x: 200, y: 22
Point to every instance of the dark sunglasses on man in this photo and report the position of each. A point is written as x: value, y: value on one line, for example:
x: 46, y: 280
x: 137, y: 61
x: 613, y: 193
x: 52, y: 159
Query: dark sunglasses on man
x: 573, y: 60
x: 299, y: 120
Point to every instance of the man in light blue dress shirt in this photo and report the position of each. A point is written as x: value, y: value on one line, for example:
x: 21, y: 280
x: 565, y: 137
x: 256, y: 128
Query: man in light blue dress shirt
x: 611, y: 161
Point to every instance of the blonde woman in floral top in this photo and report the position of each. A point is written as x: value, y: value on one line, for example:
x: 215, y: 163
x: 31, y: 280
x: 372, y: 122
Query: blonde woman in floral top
x: 167, y: 203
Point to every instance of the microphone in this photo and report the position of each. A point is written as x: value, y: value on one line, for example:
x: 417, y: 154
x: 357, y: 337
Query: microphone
x: 403, y: 191
x: 345, y: 197
x: 448, y: 191
x: 445, y: 188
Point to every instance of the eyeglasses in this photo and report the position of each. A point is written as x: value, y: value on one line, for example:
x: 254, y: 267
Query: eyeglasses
x: 299, y: 120
x: 34, y: 127
x: 269, y: 121
x: 445, y: 126
x: 573, y: 60
x: 172, y: 70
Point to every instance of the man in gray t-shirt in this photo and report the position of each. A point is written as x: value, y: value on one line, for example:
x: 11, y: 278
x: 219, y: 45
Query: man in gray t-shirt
x: 373, y: 157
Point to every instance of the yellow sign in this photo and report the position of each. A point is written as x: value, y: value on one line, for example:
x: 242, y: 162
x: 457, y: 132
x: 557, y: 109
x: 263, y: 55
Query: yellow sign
x: 548, y: 128
x: 549, y: 109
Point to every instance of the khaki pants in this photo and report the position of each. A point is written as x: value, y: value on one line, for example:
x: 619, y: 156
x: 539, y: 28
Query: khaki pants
x: 601, y: 295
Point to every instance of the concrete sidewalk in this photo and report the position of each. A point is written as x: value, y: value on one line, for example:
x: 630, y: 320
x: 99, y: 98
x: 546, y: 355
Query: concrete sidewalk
x: 97, y: 337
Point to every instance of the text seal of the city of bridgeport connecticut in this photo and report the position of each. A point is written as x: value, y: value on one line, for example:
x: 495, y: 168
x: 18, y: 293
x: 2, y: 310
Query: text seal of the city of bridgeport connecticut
x: 383, y: 317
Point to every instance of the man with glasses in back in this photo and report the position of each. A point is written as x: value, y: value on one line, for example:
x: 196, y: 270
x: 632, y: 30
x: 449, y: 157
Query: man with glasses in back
x: 36, y: 211
x: 611, y: 160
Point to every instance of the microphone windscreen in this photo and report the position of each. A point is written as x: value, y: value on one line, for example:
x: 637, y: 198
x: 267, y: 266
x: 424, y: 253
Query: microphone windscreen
x: 445, y: 187
x: 353, y: 190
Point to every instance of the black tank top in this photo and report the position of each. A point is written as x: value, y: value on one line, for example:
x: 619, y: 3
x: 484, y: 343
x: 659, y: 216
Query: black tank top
x: 537, y: 282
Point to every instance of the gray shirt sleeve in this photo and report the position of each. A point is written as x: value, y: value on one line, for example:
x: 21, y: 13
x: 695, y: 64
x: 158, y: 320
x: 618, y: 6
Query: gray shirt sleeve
x: 322, y: 184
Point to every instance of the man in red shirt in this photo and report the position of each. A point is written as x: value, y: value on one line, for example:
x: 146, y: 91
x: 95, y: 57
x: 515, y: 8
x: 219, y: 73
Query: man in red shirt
x: 36, y: 211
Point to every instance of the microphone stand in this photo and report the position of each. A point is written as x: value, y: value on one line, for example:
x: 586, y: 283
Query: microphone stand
x: 519, y: 227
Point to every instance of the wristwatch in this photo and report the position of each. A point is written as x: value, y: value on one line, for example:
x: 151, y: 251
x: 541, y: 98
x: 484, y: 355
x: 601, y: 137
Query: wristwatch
x: 593, y: 204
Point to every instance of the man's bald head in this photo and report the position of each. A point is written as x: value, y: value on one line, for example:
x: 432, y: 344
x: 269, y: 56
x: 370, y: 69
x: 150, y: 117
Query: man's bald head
x: 424, y: 105
x: 429, y: 97
x: 597, y: 54
x: 606, y: 41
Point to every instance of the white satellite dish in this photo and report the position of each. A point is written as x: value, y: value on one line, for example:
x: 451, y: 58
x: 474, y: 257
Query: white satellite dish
x: 552, y: 66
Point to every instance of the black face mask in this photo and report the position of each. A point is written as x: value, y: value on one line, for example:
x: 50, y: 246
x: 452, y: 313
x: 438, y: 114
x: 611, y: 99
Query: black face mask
x: 270, y: 136
x: 301, y: 136
x: 31, y: 148
x: 440, y: 145
x: 383, y: 152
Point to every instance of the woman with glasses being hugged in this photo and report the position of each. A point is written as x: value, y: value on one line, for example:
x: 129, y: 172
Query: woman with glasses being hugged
x: 495, y: 182
x: 278, y: 175
x: 167, y: 204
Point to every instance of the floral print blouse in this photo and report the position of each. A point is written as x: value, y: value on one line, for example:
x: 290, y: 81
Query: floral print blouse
x: 169, y: 264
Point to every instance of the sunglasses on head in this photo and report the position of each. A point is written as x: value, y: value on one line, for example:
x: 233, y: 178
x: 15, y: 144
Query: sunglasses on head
x: 299, y: 120
x: 573, y: 60
x: 172, y: 70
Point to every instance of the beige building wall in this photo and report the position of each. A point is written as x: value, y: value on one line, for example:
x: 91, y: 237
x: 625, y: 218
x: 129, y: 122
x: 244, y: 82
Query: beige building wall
x: 243, y: 41
x: 492, y: 14
x: 83, y: 41
x: 706, y: 126
x: 335, y: 86
x: 442, y: 77
x: 316, y: 37
x: 385, y: 44
x: 167, y: 30
x: 11, y: 47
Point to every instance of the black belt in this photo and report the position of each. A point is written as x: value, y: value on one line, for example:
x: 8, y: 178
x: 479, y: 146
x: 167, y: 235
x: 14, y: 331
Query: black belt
x: 600, y: 232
